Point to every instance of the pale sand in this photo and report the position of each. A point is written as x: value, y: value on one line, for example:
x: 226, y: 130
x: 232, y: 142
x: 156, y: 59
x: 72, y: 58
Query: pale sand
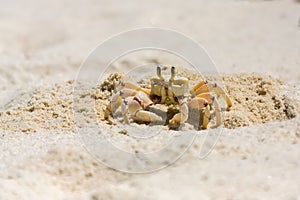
x: 43, y: 44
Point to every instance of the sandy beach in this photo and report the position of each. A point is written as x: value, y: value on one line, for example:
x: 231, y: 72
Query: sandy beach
x: 48, y: 152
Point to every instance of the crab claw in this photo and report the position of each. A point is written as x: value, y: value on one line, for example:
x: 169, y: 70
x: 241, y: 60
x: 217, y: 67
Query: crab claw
x: 144, y: 100
x: 132, y: 86
x: 114, y: 104
x: 138, y: 114
x: 181, y: 117
x: 146, y: 116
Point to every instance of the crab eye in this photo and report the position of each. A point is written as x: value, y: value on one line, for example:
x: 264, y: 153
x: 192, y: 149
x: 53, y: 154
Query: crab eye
x: 173, y: 72
x: 172, y: 69
x: 158, y: 71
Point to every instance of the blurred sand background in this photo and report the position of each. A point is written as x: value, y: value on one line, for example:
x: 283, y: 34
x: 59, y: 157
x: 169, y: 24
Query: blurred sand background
x: 43, y: 44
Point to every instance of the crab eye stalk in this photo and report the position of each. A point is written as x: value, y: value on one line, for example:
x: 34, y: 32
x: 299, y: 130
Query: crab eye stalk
x: 173, y: 73
x: 158, y: 72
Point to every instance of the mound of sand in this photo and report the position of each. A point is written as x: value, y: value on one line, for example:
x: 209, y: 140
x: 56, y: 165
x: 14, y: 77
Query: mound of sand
x: 256, y: 99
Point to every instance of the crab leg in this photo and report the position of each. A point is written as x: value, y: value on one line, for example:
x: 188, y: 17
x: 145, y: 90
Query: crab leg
x: 206, y: 117
x: 198, y: 103
x: 212, y: 100
x: 114, y: 104
x: 124, y: 111
x: 206, y: 96
x: 116, y: 100
x: 217, y: 111
x: 196, y: 87
x: 144, y: 99
x: 220, y: 92
x: 181, y: 117
x: 138, y: 114
x: 146, y: 116
x: 205, y: 87
x: 132, y: 86
x: 202, y: 105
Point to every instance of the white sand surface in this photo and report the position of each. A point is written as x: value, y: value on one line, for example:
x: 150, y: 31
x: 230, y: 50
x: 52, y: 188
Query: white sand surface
x: 43, y: 44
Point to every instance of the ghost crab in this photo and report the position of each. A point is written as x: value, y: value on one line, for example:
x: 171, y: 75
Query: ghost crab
x: 135, y: 101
